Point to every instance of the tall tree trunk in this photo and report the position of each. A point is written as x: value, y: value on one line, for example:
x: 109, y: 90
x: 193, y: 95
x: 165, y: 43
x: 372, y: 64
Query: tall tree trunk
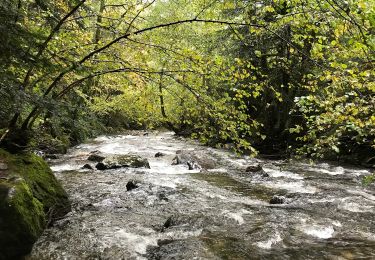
x: 162, y: 107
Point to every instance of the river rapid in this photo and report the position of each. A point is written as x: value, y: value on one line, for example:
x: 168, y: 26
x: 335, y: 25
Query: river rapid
x: 219, y: 213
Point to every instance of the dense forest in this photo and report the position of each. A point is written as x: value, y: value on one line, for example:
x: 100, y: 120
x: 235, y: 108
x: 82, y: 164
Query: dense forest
x: 205, y: 129
x: 278, y: 78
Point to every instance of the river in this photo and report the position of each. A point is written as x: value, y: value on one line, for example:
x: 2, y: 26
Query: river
x: 220, y: 213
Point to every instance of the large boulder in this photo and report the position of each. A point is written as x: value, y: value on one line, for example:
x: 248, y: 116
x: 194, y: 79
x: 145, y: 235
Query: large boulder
x: 30, y: 199
x: 94, y: 157
x: 120, y: 161
x: 195, y: 160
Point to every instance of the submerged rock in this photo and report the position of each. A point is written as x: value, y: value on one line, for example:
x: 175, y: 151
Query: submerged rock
x: 277, y: 200
x: 131, y: 185
x: 30, y: 199
x: 87, y: 166
x: 159, y: 154
x: 120, y: 161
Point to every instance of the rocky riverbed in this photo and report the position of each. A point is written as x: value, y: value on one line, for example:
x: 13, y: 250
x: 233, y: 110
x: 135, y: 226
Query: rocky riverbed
x: 195, y: 202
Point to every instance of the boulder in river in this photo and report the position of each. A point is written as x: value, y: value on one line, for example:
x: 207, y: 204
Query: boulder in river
x: 195, y: 160
x: 277, y: 200
x: 94, y: 157
x: 256, y: 167
x: 159, y: 154
x: 131, y: 185
x: 121, y: 161
x: 87, y: 166
x: 194, y: 165
x: 30, y: 199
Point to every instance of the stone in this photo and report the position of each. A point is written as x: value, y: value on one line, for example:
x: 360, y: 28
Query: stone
x: 131, y: 185
x: 100, y: 166
x: 254, y: 168
x: 29, y: 201
x: 95, y: 157
x: 196, y: 160
x: 277, y: 200
x: 159, y: 154
x: 87, y: 166
x: 51, y: 156
x: 121, y: 161
x: 194, y: 166
x: 169, y: 222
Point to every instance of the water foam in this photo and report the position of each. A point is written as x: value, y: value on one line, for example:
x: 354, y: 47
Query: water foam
x: 276, y: 238
x: 323, y: 232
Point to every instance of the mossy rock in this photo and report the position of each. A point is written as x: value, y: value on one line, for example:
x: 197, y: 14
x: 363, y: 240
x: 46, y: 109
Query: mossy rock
x: 30, y: 198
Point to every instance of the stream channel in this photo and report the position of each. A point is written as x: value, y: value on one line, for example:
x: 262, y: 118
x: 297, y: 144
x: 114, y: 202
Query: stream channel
x: 221, y: 212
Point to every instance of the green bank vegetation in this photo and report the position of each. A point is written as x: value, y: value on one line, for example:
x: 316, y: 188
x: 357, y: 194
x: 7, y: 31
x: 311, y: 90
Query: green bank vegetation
x: 275, y: 77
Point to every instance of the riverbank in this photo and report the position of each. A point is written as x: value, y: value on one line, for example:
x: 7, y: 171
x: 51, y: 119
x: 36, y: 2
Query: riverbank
x: 31, y: 198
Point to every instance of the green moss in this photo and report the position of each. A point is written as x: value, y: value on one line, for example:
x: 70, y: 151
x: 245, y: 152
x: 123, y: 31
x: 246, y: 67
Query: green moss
x: 40, y: 179
x: 30, y: 196
x: 22, y: 218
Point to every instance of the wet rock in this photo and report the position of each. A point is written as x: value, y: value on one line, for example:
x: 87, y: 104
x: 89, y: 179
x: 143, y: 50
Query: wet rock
x: 195, y: 159
x: 121, y: 161
x: 277, y: 200
x: 169, y: 222
x: 95, y: 157
x: 51, y: 156
x: 257, y: 169
x: 254, y: 168
x: 3, y: 166
x: 100, y: 166
x: 194, y: 166
x: 29, y: 201
x: 162, y: 196
x: 189, y: 161
x: 87, y: 166
x: 177, y: 160
x: 159, y: 154
x: 131, y: 185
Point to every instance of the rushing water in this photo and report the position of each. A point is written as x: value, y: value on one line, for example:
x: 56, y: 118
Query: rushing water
x: 221, y: 213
